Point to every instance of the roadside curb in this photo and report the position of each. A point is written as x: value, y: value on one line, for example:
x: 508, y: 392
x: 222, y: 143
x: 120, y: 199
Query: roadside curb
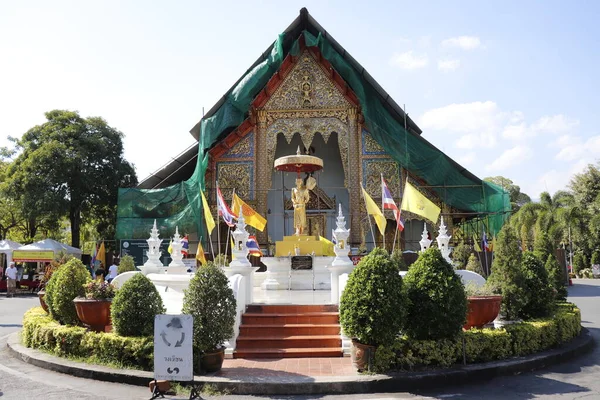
x: 267, y: 385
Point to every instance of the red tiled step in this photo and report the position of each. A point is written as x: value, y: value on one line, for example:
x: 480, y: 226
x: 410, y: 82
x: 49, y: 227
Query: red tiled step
x: 285, y: 330
x: 290, y: 318
x: 288, y: 353
x: 275, y: 342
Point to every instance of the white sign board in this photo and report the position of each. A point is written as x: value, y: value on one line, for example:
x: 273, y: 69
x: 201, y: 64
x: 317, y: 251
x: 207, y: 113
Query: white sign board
x: 596, y: 269
x: 173, y: 355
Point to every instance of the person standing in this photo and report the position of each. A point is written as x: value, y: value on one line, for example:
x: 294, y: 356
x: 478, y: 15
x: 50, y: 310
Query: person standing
x: 11, y: 280
x: 113, y: 271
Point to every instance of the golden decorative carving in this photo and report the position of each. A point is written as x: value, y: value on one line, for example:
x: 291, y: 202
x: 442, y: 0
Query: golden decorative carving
x: 319, y: 200
x: 307, y: 128
x: 372, y: 171
x: 306, y: 86
x: 236, y: 175
x: 272, y: 116
x: 371, y: 146
x: 316, y: 224
x: 243, y: 148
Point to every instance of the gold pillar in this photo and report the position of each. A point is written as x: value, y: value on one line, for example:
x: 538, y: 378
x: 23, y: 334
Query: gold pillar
x: 263, y: 172
x: 353, y: 177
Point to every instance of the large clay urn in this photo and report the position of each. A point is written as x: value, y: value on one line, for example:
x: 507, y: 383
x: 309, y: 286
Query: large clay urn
x: 482, y: 310
x: 94, y: 313
x: 41, y: 295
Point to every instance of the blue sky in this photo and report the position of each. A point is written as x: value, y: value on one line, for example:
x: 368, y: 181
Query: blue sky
x: 506, y: 88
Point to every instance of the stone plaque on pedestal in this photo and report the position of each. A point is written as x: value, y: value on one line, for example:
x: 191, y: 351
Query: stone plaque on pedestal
x: 302, y: 263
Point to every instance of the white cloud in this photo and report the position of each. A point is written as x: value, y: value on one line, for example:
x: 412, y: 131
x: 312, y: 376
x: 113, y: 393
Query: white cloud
x: 448, y: 65
x: 515, y: 132
x: 463, y: 42
x: 554, y: 180
x: 466, y: 159
x: 510, y: 158
x: 554, y: 124
x: 573, y: 148
x: 409, y: 61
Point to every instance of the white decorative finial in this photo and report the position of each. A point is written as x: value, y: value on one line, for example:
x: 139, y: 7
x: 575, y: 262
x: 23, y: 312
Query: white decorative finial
x: 298, y: 151
x: 425, y: 242
x: 443, y: 240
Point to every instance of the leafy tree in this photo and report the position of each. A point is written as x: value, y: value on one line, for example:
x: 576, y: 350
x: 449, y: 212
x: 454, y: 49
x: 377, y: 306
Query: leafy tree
x: 71, y: 166
x: 461, y: 255
x: 474, y: 265
x: 556, y: 277
x: 506, y: 277
x: 542, y: 247
x: 517, y: 199
x: 578, y: 263
x: 586, y: 187
x: 596, y: 257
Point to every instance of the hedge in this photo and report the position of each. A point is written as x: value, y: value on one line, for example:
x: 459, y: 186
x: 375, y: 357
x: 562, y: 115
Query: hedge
x: 481, y: 345
x: 41, y: 332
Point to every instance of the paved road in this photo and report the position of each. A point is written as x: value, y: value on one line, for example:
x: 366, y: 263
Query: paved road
x: 577, y: 379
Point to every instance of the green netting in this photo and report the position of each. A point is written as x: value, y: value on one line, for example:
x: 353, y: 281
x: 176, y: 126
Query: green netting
x: 180, y: 204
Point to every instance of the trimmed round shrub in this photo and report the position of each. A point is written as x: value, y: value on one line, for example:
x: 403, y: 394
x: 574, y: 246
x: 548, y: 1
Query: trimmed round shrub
x: 65, y: 285
x: 127, y: 264
x: 134, y: 307
x: 578, y: 264
x: 211, y: 302
x: 461, y: 255
x: 398, y: 260
x: 372, y: 307
x: 539, y: 292
x: 556, y: 277
x: 507, y: 277
x: 474, y: 265
x: 437, y: 307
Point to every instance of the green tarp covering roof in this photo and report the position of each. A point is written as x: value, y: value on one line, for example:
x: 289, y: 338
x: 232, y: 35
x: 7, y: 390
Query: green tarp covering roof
x: 180, y: 205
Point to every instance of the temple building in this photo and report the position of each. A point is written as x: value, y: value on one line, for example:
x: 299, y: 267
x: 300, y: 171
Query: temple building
x: 306, y: 93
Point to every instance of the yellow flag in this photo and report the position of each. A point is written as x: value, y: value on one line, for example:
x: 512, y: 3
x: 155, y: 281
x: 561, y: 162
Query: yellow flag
x: 415, y: 202
x: 327, y: 246
x: 231, y: 244
x: 210, y: 222
x: 252, y: 217
x: 373, y: 210
x: 101, y: 256
x: 170, y: 249
x: 200, y: 254
x: 476, y: 244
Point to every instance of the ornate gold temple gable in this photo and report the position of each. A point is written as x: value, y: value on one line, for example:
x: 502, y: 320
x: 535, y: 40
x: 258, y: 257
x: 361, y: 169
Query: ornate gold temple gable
x: 319, y: 200
x: 307, y: 87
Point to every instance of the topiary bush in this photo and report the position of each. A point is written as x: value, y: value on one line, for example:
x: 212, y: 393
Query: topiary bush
x: 507, y: 277
x: 211, y: 302
x: 540, y: 295
x: 461, y: 255
x: 398, y: 260
x: 578, y: 264
x: 134, y: 307
x: 542, y: 246
x: 66, y: 284
x: 474, y: 265
x: 437, y: 304
x: 556, y: 277
x: 127, y: 264
x: 372, y: 306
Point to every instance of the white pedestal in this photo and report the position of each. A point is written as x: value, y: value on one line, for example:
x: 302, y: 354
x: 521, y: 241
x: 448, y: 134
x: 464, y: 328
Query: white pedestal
x: 247, y: 273
x: 336, y: 269
x: 280, y: 276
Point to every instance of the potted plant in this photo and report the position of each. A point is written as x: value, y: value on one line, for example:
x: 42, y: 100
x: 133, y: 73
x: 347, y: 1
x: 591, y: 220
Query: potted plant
x: 372, y: 306
x: 483, y: 305
x: 94, y: 309
x: 211, y: 302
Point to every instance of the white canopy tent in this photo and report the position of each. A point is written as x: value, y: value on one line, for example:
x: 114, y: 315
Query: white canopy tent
x: 44, y: 250
x: 7, y: 247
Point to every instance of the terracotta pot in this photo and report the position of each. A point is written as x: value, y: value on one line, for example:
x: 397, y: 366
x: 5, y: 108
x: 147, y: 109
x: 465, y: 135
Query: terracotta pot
x: 41, y: 295
x: 212, y: 361
x: 93, y: 313
x: 362, y: 355
x: 482, y: 310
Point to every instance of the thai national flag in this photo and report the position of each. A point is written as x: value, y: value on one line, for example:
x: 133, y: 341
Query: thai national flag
x: 486, y: 246
x: 224, y: 210
x: 390, y: 204
x: 252, y: 245
x: 185, y: 245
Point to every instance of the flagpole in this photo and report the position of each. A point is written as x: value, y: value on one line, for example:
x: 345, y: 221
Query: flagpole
x: 383, y: 210
x: 229, y: 228
x: 368, y: 217
x: 218, y: 226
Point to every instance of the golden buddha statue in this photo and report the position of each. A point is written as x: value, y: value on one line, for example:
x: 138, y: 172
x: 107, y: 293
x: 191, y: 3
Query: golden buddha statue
x: 300, y: 197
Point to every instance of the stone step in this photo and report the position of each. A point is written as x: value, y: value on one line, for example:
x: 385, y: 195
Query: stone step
x: 279, y: 342
x: 290, y: 318
x: 304, y: 352
x: 290, y: 308
x: 289, y: 330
